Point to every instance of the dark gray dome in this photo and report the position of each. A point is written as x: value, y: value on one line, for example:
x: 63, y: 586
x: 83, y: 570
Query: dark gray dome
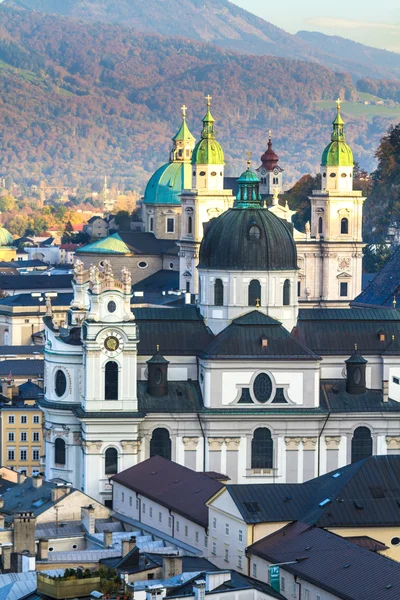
x: 249, y: 239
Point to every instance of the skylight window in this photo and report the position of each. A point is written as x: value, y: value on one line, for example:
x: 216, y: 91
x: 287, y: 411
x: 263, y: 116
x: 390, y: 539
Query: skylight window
x: 336, y: 475
x: 325, y: 502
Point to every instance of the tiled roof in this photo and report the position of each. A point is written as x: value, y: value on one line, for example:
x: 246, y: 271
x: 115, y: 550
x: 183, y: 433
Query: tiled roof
x: 243, y: 339
x: 331, y: 562
x: 335, y: 399
x: 18, y: 367
x: 384, y: 287
x: 336, y: 331
x: 178, y: 488
x: 182, y: 397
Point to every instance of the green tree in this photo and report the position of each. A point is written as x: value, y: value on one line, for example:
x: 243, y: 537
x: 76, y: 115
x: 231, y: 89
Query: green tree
x: 297, y: 198
x: 7, y: 204
x: 18, y: 224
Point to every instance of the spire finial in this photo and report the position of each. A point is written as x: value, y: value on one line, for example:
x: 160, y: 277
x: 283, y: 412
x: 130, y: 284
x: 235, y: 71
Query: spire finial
x: 355, y: 347
x: 208, y: 98
x: 184, y: 109
x: 249, y: 155
x: 394, y: 302
x: 258, y: 302
x: 270, y: 134
x: 338, y: 103
x: 157, y: 347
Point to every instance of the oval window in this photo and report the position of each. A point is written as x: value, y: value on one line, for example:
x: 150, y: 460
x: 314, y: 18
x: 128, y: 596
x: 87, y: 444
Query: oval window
x: 171, y: 265
x: 202, y: 173
x: 194, y: 173
x: 254, y: 233
x: 324, y: 175
x: 332, y: 175
x: 111, y: 306
x: 395, y: 541
x: 262, y: 387
x: 357, y: 375
x: 213, y: 173
x: 61, y: 383
x: 344, y: 175
x: 142, y: 265
x: 158, y: 377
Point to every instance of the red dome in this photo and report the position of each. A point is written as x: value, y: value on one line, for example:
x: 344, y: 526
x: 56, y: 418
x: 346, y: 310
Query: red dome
x: 270, y: 159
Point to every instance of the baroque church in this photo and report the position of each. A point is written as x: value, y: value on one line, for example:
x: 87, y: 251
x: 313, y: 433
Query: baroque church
x: 269, y: 377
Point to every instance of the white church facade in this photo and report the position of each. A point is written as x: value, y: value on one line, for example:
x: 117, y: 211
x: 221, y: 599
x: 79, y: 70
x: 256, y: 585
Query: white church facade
x: 245, y: 382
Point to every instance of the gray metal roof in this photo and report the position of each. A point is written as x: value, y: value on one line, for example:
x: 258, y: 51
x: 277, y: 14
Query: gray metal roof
x: 32, y: 367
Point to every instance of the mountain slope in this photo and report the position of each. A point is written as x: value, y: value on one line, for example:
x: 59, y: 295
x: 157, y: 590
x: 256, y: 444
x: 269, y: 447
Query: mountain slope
x: 79, y: 100
x: 222, y: 23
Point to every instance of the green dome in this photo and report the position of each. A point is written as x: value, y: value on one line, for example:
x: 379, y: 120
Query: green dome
x: 248, y: 177
x: 208, y: 151
x: 338, y: 153
x: 6, y: 239
x: 248, y: 239
x: 167, y: 183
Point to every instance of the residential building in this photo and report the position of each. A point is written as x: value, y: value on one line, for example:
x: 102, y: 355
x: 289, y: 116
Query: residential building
x: 22, y: 444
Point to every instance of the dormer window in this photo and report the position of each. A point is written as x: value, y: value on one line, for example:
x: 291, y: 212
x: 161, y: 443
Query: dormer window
x: 254, y: 233
x: 381, y: 336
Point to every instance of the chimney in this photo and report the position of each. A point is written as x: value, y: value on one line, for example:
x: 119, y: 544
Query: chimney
x: 14, y: 391
x: 385, y: 389
x: 199, y: 589
x: 24, y: 533
x: 108, y: 539
x: 87, y: 518
x: 43, y: 550
x: 128, y: 545
x: 59, y: 492
x: 21, y: 478
x: 37, y: 481
x: 6, y: 557
x: 6, y: 390
x: 172, y: 565
x: 1, y: 521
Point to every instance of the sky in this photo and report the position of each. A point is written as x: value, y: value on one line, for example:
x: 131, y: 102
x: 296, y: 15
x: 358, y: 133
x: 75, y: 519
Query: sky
x: 366, y: 21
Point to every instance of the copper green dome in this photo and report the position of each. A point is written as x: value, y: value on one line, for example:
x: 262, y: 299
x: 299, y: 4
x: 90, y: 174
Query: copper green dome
x: 248, y: 189
x: 338, y: 153
x: 208, y: 151
x: 167, y: 183
x: 248, y: 239
x: 6, y: 239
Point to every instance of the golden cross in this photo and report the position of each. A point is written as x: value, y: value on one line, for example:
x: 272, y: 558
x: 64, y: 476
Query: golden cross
x: 183, y: 109
x: 338, y: 103
x: 258, y: 302
x: 208, y: 98
x: 249, y: 155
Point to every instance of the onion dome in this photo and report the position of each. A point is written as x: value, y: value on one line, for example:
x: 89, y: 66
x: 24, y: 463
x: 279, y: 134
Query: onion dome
x: 6, y: 239
x: 208, y: 151
x: 338, y: 153
x: 248, y: 237
x: 270, y: 159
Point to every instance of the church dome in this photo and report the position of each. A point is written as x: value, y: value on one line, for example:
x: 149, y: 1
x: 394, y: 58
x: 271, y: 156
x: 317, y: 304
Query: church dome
x: 249, y: 239
x: 270, y: 159
x: 338, y: 153
x: 167, y: 183
x: 208, y: 151
x: 6, y: 239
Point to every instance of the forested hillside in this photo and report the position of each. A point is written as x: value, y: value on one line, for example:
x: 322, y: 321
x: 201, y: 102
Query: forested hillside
x: 79, y: 100
x: 227, y: 25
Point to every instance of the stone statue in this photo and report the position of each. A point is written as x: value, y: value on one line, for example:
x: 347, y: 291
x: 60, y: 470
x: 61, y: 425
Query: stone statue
x: 275, y: 197
x: 107, y: 268
x: 94, y: 274
x: 307, y: 228
x: 126, y: 277
x: 78, y: 267
x: 49, y: 308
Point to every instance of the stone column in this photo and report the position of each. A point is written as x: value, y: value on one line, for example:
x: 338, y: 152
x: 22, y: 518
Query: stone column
x: 190, y: 444
x: 214, y: 454
x: 393, y: 444
x: 309, y: 445
x: 332, y: 452
x: 292, y: 459
x: 232, y: 458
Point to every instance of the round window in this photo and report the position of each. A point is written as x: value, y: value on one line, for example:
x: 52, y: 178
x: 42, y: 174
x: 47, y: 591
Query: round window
x: 111, y: 306
x: 142, y: 265
x: 60, y: 383
x: 323, y: 174
x: 357, y: 375
x: 262, y: 387
x: 158, y: 376
x: 254, y: 233
x: 202, y: 173
x: 171, y: 265
x: 395, y: 541
x: 343, y: 175
x: 51, y: 549
x: 332, y: 175
x: 213, y: 173
x: 74, y: 546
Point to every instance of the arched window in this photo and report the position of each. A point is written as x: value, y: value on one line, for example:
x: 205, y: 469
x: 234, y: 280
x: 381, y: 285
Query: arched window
x: 111, y: 461
x: 111, y: 381
x: 218, y: 292
x: 361, y: 444
x: 254, y: 233
x: 59, y: 451
x: 286, y: 293
x: 344, y: 226
x: 254, y: 292
x: 320, y: 225
x: 190, y: 225
x: 160, y: 443
x: 262, y: 449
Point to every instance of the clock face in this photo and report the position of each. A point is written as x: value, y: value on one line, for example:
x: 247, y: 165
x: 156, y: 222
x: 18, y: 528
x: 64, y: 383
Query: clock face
x: 111, y: 343
x: 276, y: 171
x: 263, y: 171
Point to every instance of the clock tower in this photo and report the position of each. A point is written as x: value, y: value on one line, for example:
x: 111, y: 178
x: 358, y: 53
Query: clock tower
x: 269, y: 173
